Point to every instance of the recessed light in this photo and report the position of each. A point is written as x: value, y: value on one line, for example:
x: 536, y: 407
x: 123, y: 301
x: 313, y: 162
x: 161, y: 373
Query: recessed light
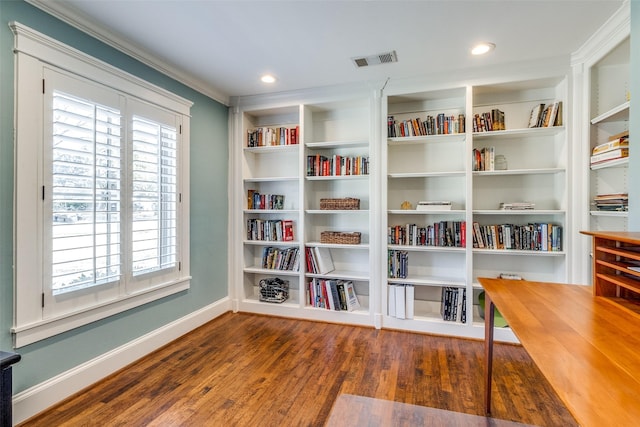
x: 268, y: 78
x: 482, y: 48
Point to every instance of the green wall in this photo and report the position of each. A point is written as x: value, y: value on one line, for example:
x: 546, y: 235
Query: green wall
x: 634, y: 122
x: 209, y: 206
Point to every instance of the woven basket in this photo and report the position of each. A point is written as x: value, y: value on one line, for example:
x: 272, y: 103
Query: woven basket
x: 340, y: 238
x: 347, y: 203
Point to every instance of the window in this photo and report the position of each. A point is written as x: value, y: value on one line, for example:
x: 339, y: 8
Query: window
x: 101, y: 188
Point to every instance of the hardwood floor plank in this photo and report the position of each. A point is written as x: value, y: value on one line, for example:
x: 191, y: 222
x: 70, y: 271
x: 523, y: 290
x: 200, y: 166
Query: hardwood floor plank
x: 247, y: 370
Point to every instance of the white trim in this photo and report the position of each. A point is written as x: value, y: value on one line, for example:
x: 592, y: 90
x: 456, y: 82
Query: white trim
x: 49, y: 50
x: 67, y: 15
x: 28, y: 334
x: 35, y: 399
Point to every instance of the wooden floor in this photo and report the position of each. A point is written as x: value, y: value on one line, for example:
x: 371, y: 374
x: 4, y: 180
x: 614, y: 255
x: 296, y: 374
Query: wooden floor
x: 250, y: 370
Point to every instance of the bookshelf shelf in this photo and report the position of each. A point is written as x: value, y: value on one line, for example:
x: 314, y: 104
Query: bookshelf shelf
x: 285, y: 243
x: 272, y: 148
x: 523, y: 212
x: 361, y: 246
x: 272, y: 179
x: 613, y: 214
x: 510, y: 133
x: 269, y: 211
x: 407, y: 175
x: 452, y: 212
x: 617, y: 163
x: 336, y: 144
x: 516, y: 252
x: 336, y: 211
x: 428, y: 139
x: 617, y: 113
x: 337, y: 177
x: 429, y: 281
x: 266, y: 271
x: 417, y: 248
x: 540, y: 171
x: 341, y: 274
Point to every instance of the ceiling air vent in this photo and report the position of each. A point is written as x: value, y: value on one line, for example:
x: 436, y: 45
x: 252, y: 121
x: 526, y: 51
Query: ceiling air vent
x: 381, y: 58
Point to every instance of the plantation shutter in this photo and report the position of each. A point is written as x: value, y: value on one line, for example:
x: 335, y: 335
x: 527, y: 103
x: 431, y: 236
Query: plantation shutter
x: 154, y: 196
x: 86, y: 193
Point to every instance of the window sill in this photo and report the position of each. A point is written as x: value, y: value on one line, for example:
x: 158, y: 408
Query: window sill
x: 34, y: 332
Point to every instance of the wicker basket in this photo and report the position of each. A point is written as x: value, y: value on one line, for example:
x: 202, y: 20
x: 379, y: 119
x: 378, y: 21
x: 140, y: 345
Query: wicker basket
x: 274, y: 290
x: 347, y: 203
x: 352, y: 238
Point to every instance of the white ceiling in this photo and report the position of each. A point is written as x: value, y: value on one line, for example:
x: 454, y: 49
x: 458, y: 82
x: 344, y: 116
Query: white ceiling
x: 222, y: 47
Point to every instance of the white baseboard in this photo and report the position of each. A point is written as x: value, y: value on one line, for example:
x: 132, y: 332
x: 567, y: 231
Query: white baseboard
x: 36, y: 399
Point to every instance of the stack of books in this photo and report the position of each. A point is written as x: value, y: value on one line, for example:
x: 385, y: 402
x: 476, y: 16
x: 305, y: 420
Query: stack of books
x: 617, y: 147
x: 618, y: 202
x: 434, y: 205
x: 517, y: 206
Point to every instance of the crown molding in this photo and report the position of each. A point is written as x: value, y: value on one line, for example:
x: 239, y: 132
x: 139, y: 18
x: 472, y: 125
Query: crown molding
x: 612, y: 32
x: 104, y: 35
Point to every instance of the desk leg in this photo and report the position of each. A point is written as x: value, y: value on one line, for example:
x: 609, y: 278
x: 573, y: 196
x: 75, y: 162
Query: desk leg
x: 488, y: 350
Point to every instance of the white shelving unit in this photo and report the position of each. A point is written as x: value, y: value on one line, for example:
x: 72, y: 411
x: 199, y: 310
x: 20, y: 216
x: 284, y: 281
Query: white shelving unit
x: 609, y: 115
x: 341, y: 128
x: 409, y: 169
x: 537, y: 162
x: 426, y: 168
x: 258, y: 174
x: 335, y: 131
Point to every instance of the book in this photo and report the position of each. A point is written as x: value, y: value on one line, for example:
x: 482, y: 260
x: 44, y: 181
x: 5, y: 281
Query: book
x: 622, y: 142
x: 324, y: 262
x: 536, y: 112
x: 409, y: 294
x: 401, y: 312
x: 614, y: 154
x: 352, y: 297
x: 392, y: 300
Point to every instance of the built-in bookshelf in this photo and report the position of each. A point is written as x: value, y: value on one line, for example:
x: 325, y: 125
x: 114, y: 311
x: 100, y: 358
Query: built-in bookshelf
x: 426, y: 198
x: 503, y: 176
x: 520, y: 209
x: 337, y: 198
x: 609, y: 123
x: 271, y: 204
x: 296, y: 160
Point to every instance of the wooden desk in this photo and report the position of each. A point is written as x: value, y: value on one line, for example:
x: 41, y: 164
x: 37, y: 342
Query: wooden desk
x: 587, y: 348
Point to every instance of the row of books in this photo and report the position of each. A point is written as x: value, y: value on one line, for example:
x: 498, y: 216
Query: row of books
x: 319, y: 260
x: 489, y: 121
x: 401, y: 300
x: 532, y: 237
x: 336, y: 165
x: 274, y: 258
x: 268, y: 137
x: 483, y: 159
x: 453, y: 305
x: 442, y: 233
x: 255, y: 200
x: 548, y: 115
x: 398, y: 264
x: 616, y: 147
x: 272, y: 230
x: 440, y: 124
x: 339, y: 295
x: 618, y: 202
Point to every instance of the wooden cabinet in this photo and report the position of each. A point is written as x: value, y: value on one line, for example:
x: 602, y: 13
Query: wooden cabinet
x: 616, y: 268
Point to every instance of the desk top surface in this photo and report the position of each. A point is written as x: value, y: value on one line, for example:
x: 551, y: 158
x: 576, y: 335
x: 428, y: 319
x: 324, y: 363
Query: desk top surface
x: 586, y: 347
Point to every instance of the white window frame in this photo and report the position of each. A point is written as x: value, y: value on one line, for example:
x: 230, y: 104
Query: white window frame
x: 34, y: 319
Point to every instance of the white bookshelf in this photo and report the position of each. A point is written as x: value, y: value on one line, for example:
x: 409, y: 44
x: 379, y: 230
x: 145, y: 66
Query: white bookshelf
x: 409, y: 169
x: 609, y: 115
x: 340, y: 130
